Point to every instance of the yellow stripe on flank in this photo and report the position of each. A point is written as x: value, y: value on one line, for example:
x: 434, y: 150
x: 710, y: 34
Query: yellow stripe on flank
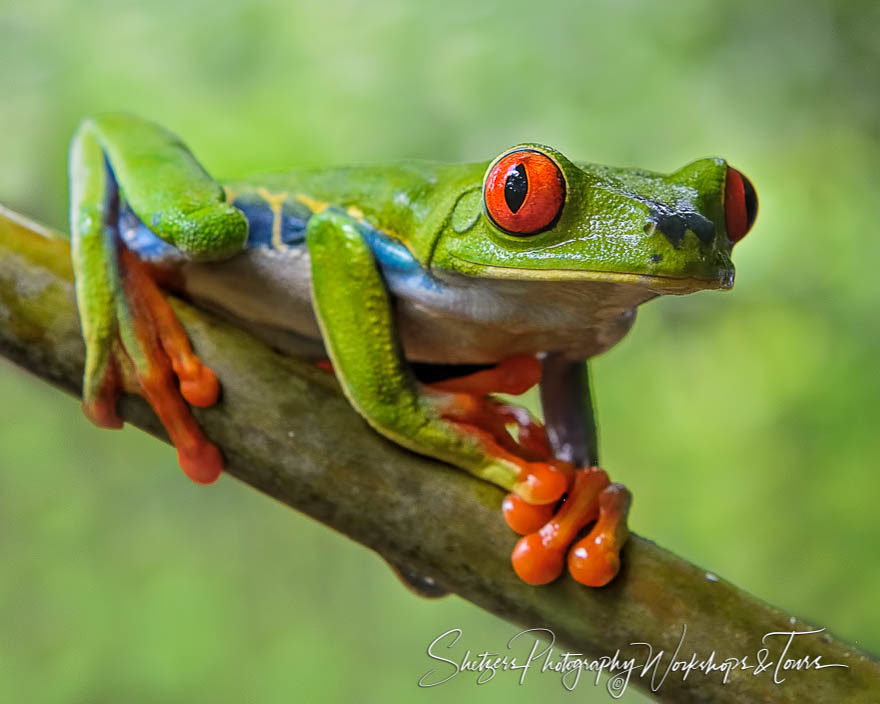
x: 230, y: 194
x: 316, y: 206
x: 356, y: 213
x: 275, y: 201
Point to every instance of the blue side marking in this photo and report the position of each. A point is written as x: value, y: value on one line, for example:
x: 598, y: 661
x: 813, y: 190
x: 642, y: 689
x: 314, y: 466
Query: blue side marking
x: 141, y: 240
x: 259, y: 224
x: 294, y: 218
x: 399, y: 267
x: 260, y: 219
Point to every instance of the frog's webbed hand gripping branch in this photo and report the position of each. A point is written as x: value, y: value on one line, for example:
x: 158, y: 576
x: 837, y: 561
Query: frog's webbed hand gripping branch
x: 526, y: 226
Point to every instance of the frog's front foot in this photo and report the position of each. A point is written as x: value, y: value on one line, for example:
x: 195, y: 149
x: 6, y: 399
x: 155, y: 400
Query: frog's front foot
x: 549, y: 519
x: 540, y: 480
x: 149, y: 354
x: 594, y: 560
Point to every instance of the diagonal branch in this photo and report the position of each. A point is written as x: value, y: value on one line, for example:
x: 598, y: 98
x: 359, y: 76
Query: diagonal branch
x: 301, y: 443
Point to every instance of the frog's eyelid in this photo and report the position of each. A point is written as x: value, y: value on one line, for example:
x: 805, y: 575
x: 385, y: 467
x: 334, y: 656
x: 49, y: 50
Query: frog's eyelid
x: 740, y: 205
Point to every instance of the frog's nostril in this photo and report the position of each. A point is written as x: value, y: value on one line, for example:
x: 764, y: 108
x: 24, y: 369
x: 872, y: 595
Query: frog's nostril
x: 740, y: 205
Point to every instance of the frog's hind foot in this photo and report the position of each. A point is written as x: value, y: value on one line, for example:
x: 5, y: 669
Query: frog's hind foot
x: 150, y: 355
x: 156, y: 322
x: 161, y: 352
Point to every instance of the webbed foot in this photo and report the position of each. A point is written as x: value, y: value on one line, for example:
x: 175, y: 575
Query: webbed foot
x: 150, y: 355
x: 539, y: 556
x: 549, y: 527
x: 466, y: 402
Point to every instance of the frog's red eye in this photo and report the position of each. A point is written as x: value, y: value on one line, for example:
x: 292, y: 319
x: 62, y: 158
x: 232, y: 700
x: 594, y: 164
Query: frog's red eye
x: 524, y: 192
x: 740, y: 205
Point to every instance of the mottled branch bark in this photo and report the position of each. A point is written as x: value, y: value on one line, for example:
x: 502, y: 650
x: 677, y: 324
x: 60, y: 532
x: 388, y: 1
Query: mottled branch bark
x: 286, y: 430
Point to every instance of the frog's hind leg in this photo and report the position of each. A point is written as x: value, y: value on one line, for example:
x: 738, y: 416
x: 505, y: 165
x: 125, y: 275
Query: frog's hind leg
x: 567, y: 403
x: 133, y: 338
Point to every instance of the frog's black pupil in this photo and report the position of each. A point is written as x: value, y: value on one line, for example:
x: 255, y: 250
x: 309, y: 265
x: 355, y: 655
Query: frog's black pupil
x: 751, y: 199
x: 516, y: 187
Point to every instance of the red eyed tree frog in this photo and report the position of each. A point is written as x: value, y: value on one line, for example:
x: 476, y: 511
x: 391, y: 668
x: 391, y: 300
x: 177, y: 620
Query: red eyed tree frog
x: 427, y: 288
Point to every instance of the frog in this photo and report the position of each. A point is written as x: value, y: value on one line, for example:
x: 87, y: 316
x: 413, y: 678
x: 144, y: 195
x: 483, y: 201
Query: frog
x: 433, y: 292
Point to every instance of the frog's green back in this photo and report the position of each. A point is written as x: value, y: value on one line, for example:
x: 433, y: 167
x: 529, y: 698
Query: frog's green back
x: 410, y: 200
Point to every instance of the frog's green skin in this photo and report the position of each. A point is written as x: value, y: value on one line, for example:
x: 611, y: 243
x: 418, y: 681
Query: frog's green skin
x: 377, y: 267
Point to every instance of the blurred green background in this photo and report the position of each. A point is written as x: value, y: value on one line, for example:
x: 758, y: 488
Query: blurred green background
x: 745, y: 423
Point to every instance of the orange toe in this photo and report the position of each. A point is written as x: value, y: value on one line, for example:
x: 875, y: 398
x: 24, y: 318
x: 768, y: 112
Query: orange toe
x: 539, y: 557
x: 534, y: 563
x: 595, y: 560
x: 200, y: 388
x: 201, y: 463
x: 102, y: 412
x: 523, y: 517
x: 541, y: 483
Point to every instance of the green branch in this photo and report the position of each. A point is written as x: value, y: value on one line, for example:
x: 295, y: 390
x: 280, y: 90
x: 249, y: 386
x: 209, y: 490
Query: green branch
x: 300, y: 442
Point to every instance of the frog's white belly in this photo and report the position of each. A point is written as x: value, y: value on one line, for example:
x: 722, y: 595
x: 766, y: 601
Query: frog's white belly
x: 460, y: 320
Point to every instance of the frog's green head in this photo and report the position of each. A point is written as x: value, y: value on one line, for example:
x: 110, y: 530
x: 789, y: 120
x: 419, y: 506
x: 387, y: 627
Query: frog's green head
x: 538, y: 215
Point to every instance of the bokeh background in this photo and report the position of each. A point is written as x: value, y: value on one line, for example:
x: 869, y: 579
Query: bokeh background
x: 745, y: 423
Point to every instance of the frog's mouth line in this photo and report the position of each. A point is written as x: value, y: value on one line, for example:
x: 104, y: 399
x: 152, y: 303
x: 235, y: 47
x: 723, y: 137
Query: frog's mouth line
x: 660, y: 284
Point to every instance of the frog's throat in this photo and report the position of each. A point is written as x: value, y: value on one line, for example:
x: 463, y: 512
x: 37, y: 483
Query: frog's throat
x: 661, y: 284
